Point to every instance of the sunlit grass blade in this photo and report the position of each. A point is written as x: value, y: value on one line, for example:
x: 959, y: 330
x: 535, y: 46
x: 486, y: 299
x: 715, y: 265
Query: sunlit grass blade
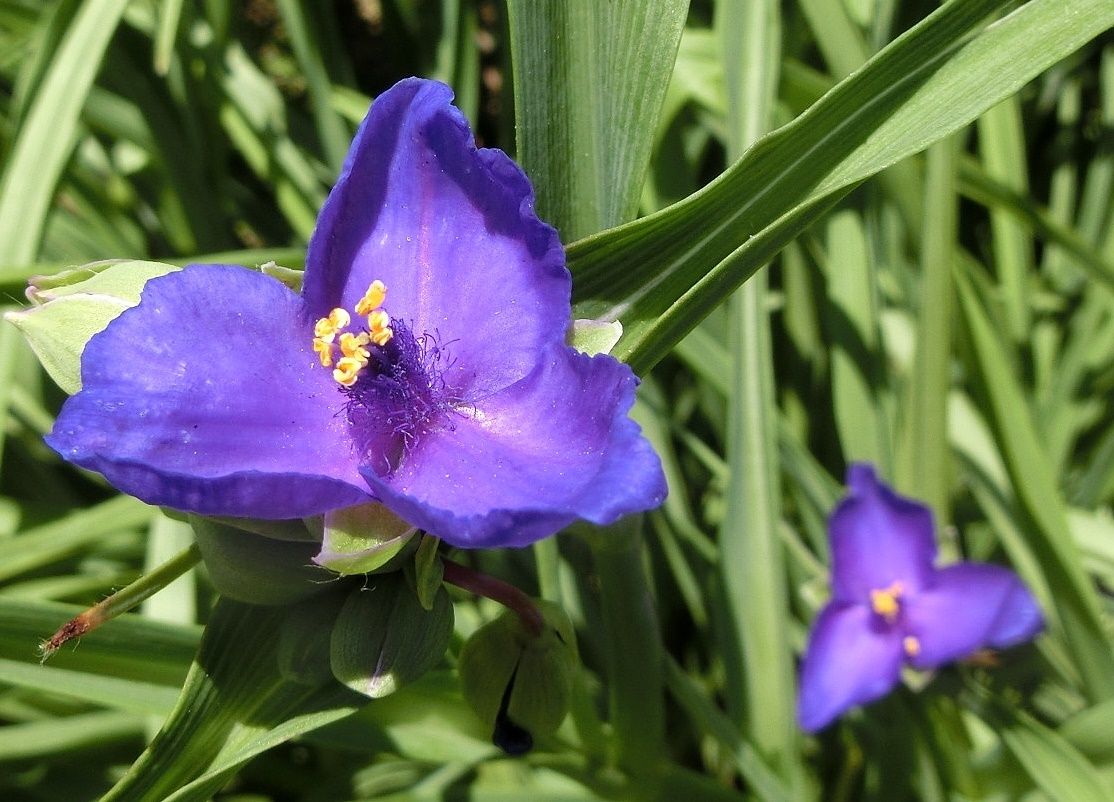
x: 46, y: 137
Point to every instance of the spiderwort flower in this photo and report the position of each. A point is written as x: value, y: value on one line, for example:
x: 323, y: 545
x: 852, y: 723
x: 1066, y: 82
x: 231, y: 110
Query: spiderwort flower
x: 890, y: 606
x: 423, y: 365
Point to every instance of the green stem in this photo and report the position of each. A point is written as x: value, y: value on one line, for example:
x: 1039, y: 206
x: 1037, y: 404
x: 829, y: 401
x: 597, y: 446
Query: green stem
x: 635, y: 657
x: 122, y: 600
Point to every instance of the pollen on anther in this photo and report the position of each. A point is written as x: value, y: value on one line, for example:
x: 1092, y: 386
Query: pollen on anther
x: 324, y: 351
x: 911, y: 645
x: 373, y: 299
x: 352, y: 345
x: 327, y: 327
x: 379, y: 325
x: 347, y: 370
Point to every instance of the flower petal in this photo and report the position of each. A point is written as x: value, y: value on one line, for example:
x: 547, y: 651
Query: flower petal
x: 970, y: 607
x: 878, y: 538
x: 451, y: 231
x: 207, y: 397
x: 851, y: 659
x: 528, y: 461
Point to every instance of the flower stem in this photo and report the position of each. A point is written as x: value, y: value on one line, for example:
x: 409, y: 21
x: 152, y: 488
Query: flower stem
x: 122, y: 600
x: 635, y: 656
x: 497, y: 590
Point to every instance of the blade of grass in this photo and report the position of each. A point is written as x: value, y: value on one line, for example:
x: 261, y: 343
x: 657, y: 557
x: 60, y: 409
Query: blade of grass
x: 46, y: 138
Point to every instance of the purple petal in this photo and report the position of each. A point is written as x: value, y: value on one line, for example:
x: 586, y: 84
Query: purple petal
x: 451, y: 231
x: 878, y: 538
x: 526, y: 462
x: 851, y: 659
x: 207, y: 397
x: 969, y: 607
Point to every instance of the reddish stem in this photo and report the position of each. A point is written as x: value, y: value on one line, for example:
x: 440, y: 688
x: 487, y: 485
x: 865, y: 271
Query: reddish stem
x: 497, y: 590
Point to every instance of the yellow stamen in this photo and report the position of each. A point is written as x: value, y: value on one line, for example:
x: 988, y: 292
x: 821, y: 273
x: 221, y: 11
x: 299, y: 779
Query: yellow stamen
x: 352, y: 345
x: 379, y: 323
x: 373, y: 298
x: 324, y: 350
x: 886, y: 602
x: 911, y: 645
x: 347, y: 370
x: 327, y: 327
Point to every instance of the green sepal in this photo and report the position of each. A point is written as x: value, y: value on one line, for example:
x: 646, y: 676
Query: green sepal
x: 74, y: 305
x: 429, y: 571
x: 384, y: 638
x: 593, y: 337
x: 256, y: 569
x: 506, y: 670
x: 287, y: 275
x: 363, y: 539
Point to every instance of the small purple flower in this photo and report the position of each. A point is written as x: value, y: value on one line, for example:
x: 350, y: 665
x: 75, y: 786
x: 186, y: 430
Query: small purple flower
x: 890, y: 605
x: 424, y: 364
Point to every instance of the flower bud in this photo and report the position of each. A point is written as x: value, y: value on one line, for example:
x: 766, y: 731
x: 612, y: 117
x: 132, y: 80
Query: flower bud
x: 519, y: 682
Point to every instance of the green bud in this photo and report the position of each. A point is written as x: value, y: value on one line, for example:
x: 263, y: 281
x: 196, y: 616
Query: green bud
x: 363, y: 539
x: 72, y: 306
x: 384, y: 638
x: 255, y: 569
x: 519, y: 683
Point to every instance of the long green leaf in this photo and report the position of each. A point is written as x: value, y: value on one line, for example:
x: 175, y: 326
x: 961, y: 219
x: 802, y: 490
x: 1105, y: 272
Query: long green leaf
x: 662, y: 274
x: 589, y: 81
x: 47, y: 136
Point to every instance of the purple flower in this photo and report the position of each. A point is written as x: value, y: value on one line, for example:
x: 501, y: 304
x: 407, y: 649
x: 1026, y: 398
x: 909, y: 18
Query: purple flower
x: 890, y: 606
x: 424, y: 364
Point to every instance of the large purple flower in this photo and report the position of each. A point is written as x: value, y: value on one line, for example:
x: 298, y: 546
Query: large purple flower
x: 891, y: 606
x: 424, y: 364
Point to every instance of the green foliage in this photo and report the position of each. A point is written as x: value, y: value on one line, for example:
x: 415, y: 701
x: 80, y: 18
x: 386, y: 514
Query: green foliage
x: 820, y: 232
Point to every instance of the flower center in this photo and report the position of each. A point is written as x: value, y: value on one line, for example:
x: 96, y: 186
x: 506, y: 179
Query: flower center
x: 393, y: 379
x: 354, y: 354
x: 887, y: 602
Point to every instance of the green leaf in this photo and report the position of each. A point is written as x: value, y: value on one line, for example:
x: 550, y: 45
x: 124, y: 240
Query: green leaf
x: 46, y: 138
x: 589, y: 82
x: 235, y: 704
x: 662, y: 274
x: 1055, y: 766
x: 1036, y: 486
x: 384, y: 638
x: 75, y: 305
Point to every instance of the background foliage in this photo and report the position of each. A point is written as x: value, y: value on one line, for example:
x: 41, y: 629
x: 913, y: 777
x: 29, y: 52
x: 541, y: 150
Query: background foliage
x: 945, y: 313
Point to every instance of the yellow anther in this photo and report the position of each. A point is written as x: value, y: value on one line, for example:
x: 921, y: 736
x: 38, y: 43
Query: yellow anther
x: 352, y: 345
x: 373, y: 298
x: 324, y: 350
x: 379, y: 324
x: 886, y: 602
x: 327, y: 327
x: 911, y: 645
x: 347, y: 370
